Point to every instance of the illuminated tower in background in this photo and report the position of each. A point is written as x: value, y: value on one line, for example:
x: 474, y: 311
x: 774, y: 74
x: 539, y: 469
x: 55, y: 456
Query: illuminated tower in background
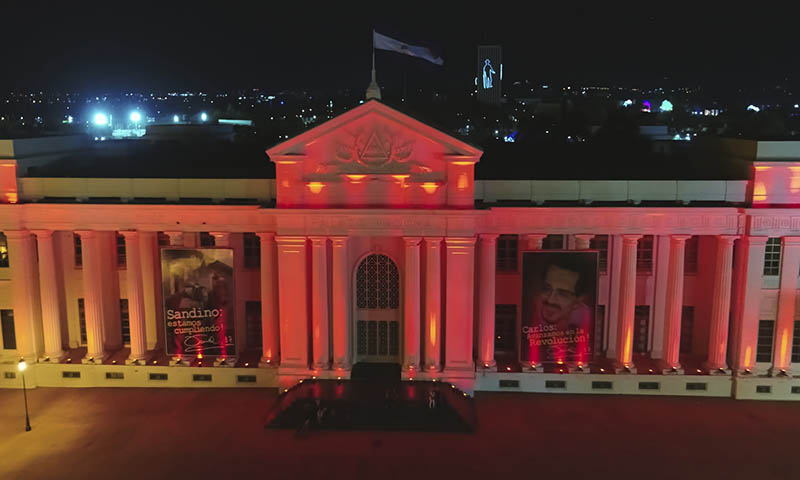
x: 489, y: 74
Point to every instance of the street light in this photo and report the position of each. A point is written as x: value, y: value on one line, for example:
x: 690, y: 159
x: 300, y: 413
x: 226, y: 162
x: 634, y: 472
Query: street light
x: 100, y: 119
x: 175, y: 119
x: 22, y: 366
x: 136, y: 117
x: 203, y: 117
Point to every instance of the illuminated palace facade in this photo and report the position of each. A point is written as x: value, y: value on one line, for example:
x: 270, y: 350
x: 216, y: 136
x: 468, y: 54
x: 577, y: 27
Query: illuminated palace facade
x: 375, y: 243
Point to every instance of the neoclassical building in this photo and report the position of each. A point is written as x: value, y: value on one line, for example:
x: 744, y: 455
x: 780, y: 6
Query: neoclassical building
x: 375, y: 243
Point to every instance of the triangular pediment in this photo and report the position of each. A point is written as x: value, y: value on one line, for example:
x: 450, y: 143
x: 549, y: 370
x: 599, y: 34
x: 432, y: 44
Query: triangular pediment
x: 372, y: 135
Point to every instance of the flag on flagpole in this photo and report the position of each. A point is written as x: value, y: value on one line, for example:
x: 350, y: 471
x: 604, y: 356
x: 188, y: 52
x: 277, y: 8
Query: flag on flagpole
x: 382, y: 42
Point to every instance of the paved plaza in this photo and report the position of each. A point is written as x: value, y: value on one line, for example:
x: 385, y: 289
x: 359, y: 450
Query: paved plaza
x: 218, y: 433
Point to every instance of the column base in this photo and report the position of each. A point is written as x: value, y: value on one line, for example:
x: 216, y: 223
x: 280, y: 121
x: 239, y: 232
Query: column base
x: 342, y: 366
x: 670, y: 368
x: 624, y: 368
x: 179, y: 362
x: 579, y: 369
x: 487, y: 366
x: 319, y: 367
x: 779, y: 372
x: 136, y: 361
x: 532, y: 367
x: 53, y: 358
x: 264, y: 362
x: 225, y: 361
x: 94, y: 359
x: 433, y: 368
x: 716, y: 369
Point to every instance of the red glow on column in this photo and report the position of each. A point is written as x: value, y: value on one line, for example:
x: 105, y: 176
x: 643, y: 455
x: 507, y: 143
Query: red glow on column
x: 429, y: 187
x: 315, y: 187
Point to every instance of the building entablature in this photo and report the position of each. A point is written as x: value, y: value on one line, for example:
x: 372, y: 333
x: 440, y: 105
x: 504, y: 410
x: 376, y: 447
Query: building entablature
x: 389, y: 222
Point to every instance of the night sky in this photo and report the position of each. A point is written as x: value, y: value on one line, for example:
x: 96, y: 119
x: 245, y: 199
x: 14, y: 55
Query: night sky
x: 169, y: 45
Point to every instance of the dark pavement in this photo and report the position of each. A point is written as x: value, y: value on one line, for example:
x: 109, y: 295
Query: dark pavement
x: 216, y: 433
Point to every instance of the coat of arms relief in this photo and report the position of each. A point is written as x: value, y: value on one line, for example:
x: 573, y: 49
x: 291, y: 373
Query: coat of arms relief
x: 373, y: 150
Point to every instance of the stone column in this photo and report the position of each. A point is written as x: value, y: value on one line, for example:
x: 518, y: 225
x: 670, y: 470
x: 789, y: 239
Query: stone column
x: 293, y: 302
x: 486, y: 292
x: 433, y: 303
x: 151, y: 287
x: 25, y: 294
x: 136, y: 309
x: 720, y: 306
x: 270, y: 339
x: 583, y: 241
x: 623, y: 360
x: 92, y: 296
x: 674, y: 305
x: 533, y: 241
x: 319, y: 302
x: 411, y: 305
x: 340, y: 304
x: 175, y: 239
x: 51, y: 296
x: 790, y: 269
x: 749, y: 276
x: 460, y: 283
x: 660, y: 280
x: 112, y: 318
x: 221, y: 239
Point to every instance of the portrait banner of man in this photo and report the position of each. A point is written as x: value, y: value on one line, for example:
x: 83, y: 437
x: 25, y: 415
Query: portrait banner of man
x: 198, y: 301
x: 559, y: 291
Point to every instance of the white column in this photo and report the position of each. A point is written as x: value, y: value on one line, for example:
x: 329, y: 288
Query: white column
x: 433, y: 303
x: 674, y: 305
x: 221, y: 239
x: 612, y: 304
x: 720, y: 306
x: 136, y: 310
x: 51, y: 296
x: 533, y: 241
x: 486, y: 291
x: 151, y: 287
x: 175, y: 238
x: 583, y: 241
x: 790, y: 269
x: 411, y: 299
x: 340, y: 303
x: 749, y: 275
x: 112, y: 319
x: 627, y: 304
x: 25, y: 294
x: 460, y: 318
x: 270, y: 339
x: 319, y: 302
x: 293, y: 303
x: 660, y: 280
x: 92, y: 296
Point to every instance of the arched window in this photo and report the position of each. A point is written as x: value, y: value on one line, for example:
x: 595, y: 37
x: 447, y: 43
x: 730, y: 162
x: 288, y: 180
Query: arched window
x: 377, y: 283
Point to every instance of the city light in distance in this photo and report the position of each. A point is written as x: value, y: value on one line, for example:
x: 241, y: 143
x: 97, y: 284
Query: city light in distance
x: 175, y: 119
x: 136, y: 117
x: 627, y: 103
x: 100, y: 119
x: 753, y: 108
x: 203, y: 117
x: 666, y: 106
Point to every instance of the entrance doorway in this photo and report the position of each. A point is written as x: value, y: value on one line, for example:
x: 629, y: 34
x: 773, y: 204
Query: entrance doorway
x: 377, y: 310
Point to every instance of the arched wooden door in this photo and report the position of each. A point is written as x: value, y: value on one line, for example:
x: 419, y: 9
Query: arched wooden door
x: 377, y: 310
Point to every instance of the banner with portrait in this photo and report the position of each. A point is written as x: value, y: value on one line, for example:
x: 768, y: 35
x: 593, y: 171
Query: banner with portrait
x: 198, y: 291
x: 559, y: 291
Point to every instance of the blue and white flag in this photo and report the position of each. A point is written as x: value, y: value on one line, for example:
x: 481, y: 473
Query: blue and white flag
x: 383, y: 42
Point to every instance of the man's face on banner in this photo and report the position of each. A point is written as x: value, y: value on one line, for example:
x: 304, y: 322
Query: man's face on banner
x: 558, y: 297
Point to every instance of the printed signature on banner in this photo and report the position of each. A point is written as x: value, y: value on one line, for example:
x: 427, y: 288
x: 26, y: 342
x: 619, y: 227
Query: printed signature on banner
x: 204, y: 342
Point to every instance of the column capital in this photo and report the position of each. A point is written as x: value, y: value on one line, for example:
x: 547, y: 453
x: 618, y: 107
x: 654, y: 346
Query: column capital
x: 318, y: 240
x: 584, y: 236
x: 83, y: 233
x: 129, y: 233
x: 432, y: 239
x: 42, y: 233
x: 268, y: 236
x: 488, y: 237
x: 790, y: 241
x: 290, y: 240
x: 729, y: 239
x: 752, y: 240
x: 339, y: 241
x: 17, y: 233
x: 459, y: 241
x: 412, y: 241
x: 631, y: 238
x: 679, y: 238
